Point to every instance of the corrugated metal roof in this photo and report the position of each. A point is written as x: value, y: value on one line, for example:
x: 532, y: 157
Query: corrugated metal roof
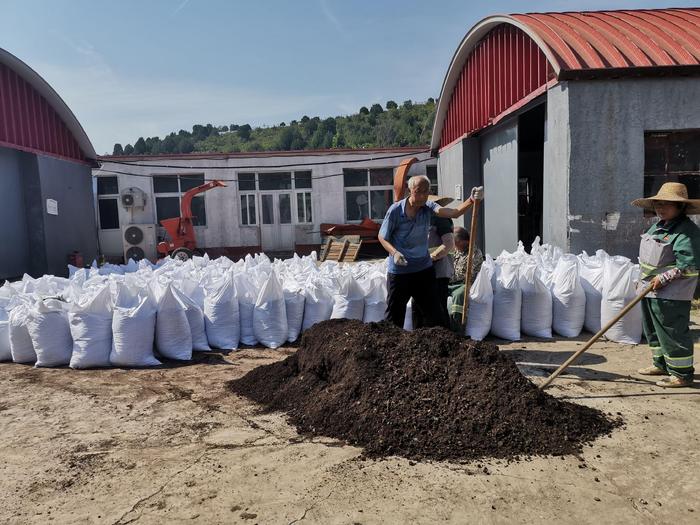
x: 618, y: 39
x: 592, y: 44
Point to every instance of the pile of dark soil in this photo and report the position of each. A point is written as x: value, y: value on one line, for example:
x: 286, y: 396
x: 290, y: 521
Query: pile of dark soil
x: 426, y: 394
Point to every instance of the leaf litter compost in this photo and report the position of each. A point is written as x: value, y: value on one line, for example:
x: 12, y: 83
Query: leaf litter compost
x: 424, y: 394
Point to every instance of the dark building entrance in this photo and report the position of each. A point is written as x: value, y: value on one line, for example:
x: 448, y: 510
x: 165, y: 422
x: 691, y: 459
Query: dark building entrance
x: 530, y: 173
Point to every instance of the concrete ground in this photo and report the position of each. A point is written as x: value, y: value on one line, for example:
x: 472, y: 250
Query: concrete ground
x: 171, y: 445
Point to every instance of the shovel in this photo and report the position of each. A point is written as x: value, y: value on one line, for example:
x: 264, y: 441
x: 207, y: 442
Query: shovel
x: 597, y: 336
x: 470, y: 261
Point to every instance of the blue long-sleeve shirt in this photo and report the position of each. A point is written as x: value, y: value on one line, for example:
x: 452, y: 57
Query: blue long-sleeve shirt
x: 409, y: 236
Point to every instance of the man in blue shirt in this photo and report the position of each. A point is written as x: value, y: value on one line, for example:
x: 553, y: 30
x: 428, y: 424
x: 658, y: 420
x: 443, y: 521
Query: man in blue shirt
x: 404, y: 235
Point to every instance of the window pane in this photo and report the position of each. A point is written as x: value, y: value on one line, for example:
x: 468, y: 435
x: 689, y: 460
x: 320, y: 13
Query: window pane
x: 692, y: 182
x: 275, y: 181
x: 187, y: 182
x: 300, y: 208
x: 244, y: 210
x: 684, y: 151
x: 109, y: 214
x: 302, y: 179
x: 199, y: 211
x: 356, y: 205
x: 165, y: 184
x: 354, y: 177
x: 267, y: 210
x: 309, y: 218
x: 167, y: 208
x: 285, y: 203
x: 107, y: 186
x: 251, y: 210
x: 381, y: 177
x: 381, y: 200
x: 246, y: 182
x: 655, y: 153
x: 431, y: 172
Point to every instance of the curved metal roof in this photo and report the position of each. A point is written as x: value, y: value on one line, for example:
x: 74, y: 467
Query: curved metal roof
x: 42, y: 87
x: 590, y: 44
x: 618, y: 39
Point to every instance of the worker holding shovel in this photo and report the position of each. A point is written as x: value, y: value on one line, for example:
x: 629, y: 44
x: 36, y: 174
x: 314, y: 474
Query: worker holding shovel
x: 669, y: 258
x: 404, y: 235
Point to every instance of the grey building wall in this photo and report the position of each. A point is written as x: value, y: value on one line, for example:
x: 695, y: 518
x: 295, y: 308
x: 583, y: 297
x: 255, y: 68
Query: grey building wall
x: 607, y: 121
x: 74, y: 228
x: 460, y: 165
x: 557, y: 150
x: 33, y: 241
x: 13, y: 229
x: 499, y: 156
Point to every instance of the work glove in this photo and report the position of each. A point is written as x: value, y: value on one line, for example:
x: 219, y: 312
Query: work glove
x: 477, y: 193
x: 399, y: 259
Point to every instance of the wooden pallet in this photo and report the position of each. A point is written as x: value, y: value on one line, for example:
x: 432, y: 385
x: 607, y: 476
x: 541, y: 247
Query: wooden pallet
x: 352, y: 251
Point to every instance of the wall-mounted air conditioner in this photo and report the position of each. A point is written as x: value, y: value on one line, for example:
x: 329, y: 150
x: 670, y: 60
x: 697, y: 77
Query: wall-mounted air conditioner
x: 133, y: 198
x: 139, y: 241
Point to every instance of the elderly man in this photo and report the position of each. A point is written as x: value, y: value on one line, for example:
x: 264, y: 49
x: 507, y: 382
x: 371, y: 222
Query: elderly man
x: 404, y: 235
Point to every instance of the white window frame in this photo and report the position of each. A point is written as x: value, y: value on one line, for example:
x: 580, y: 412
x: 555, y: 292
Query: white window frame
x: 108, y: 196
x: 367, y: 188
x: 248, y: 195
x: 305, y: 195
x: 178, y: 194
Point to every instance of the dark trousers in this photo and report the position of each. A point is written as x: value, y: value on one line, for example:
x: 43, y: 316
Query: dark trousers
x: 419, y: 286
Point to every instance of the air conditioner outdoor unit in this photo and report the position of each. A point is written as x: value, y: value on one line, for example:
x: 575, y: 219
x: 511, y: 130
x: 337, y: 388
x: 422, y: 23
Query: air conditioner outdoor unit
x: 139, y: 241
x: 133, y: 198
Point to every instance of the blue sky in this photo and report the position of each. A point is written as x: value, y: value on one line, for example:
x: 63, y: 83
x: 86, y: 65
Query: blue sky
x: 143, y: 68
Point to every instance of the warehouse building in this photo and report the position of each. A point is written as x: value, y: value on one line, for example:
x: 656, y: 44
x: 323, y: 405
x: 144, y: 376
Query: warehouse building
x: 566, y: 118
x: 46, y: 160
x: 274, y: 202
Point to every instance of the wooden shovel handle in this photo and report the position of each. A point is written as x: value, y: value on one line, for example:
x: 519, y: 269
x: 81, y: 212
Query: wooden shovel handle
x: 470, y: 261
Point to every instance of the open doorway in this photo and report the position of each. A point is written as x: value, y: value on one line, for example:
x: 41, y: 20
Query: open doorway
x: 530, y: 173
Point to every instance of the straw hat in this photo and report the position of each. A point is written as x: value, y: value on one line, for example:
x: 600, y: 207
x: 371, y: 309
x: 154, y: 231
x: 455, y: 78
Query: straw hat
x: 671, y: 192
x: 440, y: 200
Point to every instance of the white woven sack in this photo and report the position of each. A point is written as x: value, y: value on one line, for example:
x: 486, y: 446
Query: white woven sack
x: 619, y: 289
x: 349, y: 302
x: 408, y: 319
x: 221, y: 315
x: 375, y: 300
x: 294, y: 300
x: 591, y: 274
x: 195, y: 320
x: 91, y: 329
x: 247, y: 292
x: 568, y: 298
x: 50, y: 332
x: 21, y: 346
x: 133, y: 330
x: 507, y: 301
x: 173, y: 336
x: 270, y: 316
x: 480, y: 311
x: 319, y: 304
x: 536, y: 309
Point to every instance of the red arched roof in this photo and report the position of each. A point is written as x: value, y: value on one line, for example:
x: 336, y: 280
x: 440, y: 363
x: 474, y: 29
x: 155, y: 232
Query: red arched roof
x: 575, y: 45
x: 34, y: 118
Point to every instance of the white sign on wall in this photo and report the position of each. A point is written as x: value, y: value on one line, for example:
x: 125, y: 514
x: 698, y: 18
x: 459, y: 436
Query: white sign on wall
x: 458, y: 192
x: 51, y: 207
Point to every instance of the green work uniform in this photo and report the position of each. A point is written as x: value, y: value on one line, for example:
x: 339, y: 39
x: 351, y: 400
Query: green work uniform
x: 457, y: 293
x: 666, y: 312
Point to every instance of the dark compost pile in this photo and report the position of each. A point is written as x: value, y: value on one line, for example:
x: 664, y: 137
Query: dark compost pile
x: 426, y: 394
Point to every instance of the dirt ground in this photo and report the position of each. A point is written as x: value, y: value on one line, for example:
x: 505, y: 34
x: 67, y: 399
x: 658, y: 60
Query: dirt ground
x: 171, y: 445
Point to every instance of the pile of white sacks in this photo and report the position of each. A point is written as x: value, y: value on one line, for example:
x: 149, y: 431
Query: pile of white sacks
x: 549, y: 291
x: 117, y: 315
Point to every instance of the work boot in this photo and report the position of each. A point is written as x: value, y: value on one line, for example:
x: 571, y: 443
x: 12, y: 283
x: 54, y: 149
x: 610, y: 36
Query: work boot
x: 674, y: 382
x: 652, y: 371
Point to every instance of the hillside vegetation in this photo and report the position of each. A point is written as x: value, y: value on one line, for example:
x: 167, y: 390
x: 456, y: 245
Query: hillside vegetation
x: 408, y: 124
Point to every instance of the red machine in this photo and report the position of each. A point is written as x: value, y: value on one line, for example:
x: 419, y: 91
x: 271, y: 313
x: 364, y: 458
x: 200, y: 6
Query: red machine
x: 180, y: 229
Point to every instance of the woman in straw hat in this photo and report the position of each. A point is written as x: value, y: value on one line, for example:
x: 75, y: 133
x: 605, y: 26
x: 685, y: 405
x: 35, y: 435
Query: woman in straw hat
x: 669, y: 257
